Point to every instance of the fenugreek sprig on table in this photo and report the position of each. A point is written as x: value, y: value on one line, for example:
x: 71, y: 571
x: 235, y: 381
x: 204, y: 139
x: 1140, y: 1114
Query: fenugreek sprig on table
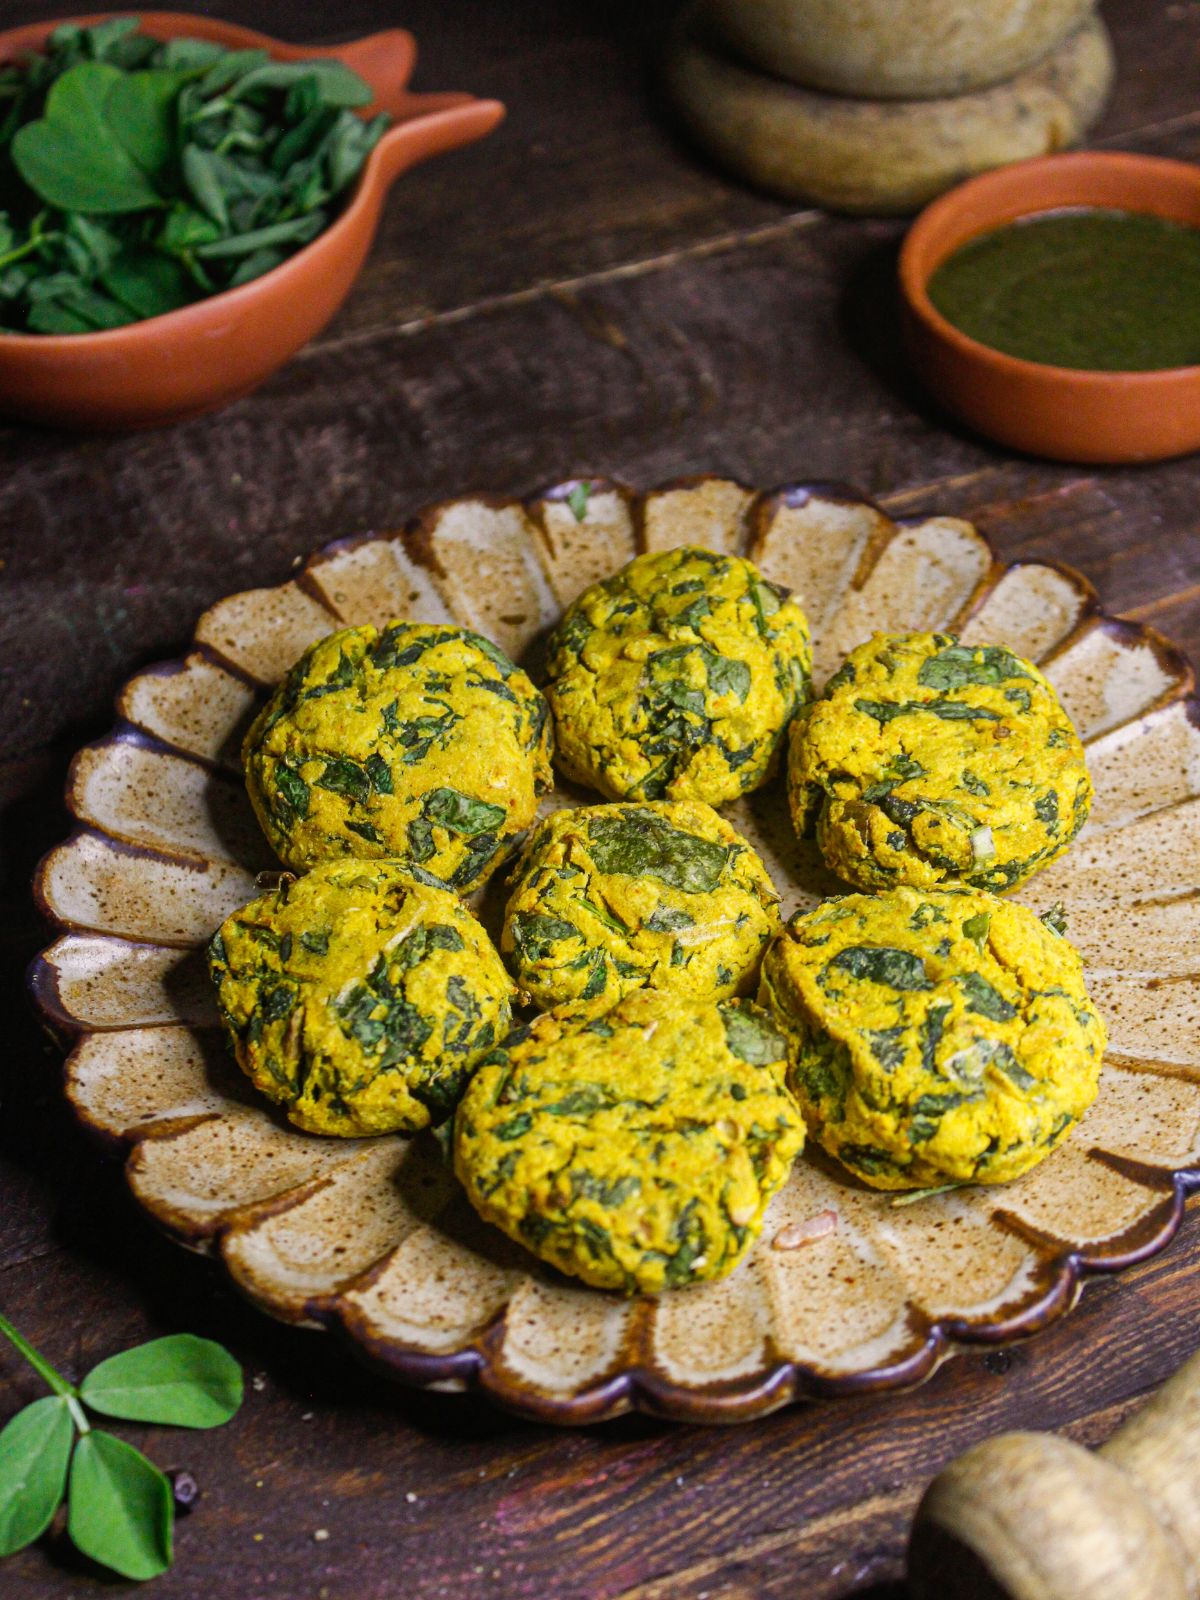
x: 120, y: 1509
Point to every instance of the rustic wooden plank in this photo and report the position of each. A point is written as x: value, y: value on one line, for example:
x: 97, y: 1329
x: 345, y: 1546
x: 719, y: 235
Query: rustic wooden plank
x: 160, y: 526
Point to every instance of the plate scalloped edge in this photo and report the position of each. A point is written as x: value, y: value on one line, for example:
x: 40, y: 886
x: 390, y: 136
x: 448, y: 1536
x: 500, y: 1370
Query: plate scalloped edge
x: 369, y: 1237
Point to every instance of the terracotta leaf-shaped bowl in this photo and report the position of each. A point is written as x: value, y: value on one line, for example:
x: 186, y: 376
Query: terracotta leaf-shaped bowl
x: 372, y: 1237
x: 205, y: 355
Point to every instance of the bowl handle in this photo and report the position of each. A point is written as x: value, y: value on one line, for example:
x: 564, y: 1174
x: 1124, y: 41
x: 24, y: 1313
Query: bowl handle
x: 431, y: 124
x: 425, y: 124
x: 386, y: 60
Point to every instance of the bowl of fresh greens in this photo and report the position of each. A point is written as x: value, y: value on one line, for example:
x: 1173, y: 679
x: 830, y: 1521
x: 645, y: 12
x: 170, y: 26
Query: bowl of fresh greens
x: 184, y: 203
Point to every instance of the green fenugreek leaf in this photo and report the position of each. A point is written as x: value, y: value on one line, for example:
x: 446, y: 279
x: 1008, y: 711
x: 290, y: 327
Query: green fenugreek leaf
x: 911, y: 1196
x: 181, y: 1379
x: 199, y: 173
x: 983, y: 998
x: 639, y: 843
x: 462, y: 814
x: 895, y: 969
x: 884, y: 711
x: 140, y: 110
x: 120, y: 1510
x: 72, y: 157
x: 578, y: 499
x: 750, y: 1034
x: 34, y: 1450
x: 959, y: 665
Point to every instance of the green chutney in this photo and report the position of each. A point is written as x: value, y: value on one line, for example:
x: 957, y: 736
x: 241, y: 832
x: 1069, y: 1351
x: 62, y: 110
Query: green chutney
x: 1105, y: 291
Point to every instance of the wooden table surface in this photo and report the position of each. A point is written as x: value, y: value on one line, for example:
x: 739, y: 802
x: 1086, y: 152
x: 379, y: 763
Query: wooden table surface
x: 579, y: 293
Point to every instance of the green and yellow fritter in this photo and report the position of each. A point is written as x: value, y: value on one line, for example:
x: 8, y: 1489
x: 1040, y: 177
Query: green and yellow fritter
x: 359, y: 1000
x: 608, y: 899
x: 928, y: 761
x: 934, y: 1036
x: 676, y: 678
x: 420, y: 743
x: 636, y: 1150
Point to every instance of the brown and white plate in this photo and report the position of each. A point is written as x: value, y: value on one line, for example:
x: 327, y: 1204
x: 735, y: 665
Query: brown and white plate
x: 373, y: 1238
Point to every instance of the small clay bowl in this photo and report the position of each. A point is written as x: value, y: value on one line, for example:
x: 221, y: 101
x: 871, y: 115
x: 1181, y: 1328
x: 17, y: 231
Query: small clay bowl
x: 1059, y: 412
x: 193, y: 360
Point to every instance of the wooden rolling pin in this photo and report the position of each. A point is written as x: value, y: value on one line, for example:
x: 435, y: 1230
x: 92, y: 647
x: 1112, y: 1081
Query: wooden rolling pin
x: 1028, y: 1516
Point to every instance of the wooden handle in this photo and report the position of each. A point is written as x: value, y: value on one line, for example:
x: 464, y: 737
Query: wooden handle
x: 1159, y: 1447
x: 1028, y: 1516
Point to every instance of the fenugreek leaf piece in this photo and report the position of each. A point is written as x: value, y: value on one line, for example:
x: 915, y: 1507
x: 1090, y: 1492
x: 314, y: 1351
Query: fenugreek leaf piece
x: 338, y: 85
x: 34, y: 1450
x: 895, y: 969
x: 578, y: 499
x: 120, y: 1508
x: 181, y: 1379
x: 983, y: 998
x: 959, y: 665
x: 72, y: 158
x: 140, y: 110
x: 640, y: 844
x: 912, y: 1196
x: 751, y: 1036
x: 462, y: 814
x: 884, y: 711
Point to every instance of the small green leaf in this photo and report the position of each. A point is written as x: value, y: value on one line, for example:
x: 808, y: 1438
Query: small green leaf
x: 71, y: 158
x: 958, y: 665
x: 181, y: 1379
x: 190, y: 54
x: 140, y: 110
x: 34, y: 1450
x: 253, y: 266
x: 147, y: 284
x: 296, y: 230
x: 750, y: 1034
x: 120, y: 1510
x: 186, y: 227
x: 640, y: 844
x: 911, y: 1197
x: 578, y: 499
x: 204, y: 185
x: 228, y: 68
x: 105, y: 37
x: 882, y: 964
x: 98, y: 243
x: 727, y: 676
x: 337, y: 84
x: 462, y: 814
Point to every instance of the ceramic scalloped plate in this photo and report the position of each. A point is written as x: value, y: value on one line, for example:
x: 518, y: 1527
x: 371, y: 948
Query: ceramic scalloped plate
x: 372, y: 1237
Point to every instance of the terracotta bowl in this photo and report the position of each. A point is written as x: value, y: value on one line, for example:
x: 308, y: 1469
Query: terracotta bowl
x: 205, y: 355
x: 1060, y: 412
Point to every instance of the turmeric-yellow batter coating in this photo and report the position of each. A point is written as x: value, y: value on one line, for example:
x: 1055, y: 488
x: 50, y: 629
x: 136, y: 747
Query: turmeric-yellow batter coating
x: 676, y: 678
x: 421, y: 743
x: 636, y: 1150
x: 934, y: 1036
x: 357, y: 999
x: 611, y: 898
x: 927, y: 761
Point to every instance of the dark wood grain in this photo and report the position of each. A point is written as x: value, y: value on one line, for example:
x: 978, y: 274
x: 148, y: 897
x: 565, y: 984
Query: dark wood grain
x: 576, y: 294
